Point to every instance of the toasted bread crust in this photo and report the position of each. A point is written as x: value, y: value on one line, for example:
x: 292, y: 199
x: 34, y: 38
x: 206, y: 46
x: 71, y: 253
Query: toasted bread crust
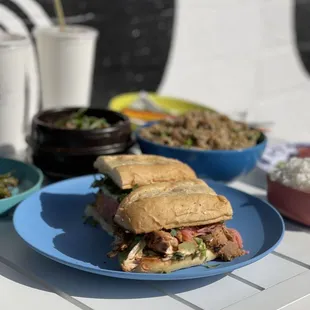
x: 130, y: 170
x: 156, y: 265
x: 169, y: 205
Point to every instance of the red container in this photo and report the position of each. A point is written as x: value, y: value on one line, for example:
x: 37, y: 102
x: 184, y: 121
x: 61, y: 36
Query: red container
x: 291, y: 203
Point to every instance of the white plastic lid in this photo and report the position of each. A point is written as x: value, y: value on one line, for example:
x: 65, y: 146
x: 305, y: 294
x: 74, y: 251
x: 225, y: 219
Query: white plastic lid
x: 70, y: 32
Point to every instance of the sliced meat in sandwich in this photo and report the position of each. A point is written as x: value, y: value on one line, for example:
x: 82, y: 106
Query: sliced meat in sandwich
x: 168, y: 226
x: 124, y: 173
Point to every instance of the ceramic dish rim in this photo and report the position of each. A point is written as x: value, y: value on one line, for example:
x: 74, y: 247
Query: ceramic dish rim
x: 154, y: 276
x: 39, y: 122
x: 29, y: 190
x: 256, y: 147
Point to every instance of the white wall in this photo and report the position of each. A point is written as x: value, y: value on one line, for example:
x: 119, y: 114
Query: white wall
x: 238, y: 55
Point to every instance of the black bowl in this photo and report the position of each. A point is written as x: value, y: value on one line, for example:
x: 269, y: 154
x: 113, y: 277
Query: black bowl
x: 67, y: 152
x: 62, y: 166
x: 46, y: 135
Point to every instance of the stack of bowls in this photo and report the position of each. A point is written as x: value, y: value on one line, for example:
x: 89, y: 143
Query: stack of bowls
x: 62, y: 153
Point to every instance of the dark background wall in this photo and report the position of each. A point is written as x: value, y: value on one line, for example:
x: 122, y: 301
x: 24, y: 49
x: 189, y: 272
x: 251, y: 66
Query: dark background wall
x: 302, y: 29
x: 135, y: 38
x: 134, y: 42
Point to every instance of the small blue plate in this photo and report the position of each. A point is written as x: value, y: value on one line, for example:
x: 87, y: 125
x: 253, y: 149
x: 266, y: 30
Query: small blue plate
x: 51, y: 222
x: 30, y: 180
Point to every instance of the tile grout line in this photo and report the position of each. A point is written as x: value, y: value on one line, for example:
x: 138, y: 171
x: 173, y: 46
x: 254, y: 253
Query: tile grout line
x: 251, y: 296
x: 175, y: 297
x: 283, y: 256
x: 290, y: 259
x: 296, y: 275
x: 238, y: 301
x: 256, y: 286
x: 294, y: 301
x: 74, y: 301
x: 189, y: 304
x: 51, y: 288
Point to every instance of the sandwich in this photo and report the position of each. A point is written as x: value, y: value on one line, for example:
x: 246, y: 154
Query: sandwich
x: 163, y: 227
x: 122, y: 174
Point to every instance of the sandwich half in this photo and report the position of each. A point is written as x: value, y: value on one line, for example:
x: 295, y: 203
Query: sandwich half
x: 163, y: 227
x: 123, y: 174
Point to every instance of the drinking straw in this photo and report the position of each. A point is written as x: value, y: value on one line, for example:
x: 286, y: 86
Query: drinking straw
x: 60, y: 14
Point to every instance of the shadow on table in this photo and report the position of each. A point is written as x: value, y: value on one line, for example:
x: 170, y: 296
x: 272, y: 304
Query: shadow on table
x: 295, y: 226
x: 290, y: 225
x: 7, y: 150
x: 79, y: 242
x: 81, y: 284
x: 262, y: 197
x: 83, y: 243
x: 87, y: 244
x: 256, y: 178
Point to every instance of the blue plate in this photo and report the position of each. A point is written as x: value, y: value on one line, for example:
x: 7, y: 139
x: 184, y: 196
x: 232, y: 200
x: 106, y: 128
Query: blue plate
x: 30, y: 180
x: 51, y: 222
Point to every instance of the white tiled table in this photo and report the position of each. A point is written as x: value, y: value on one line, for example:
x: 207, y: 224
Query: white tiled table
x: 279, y: 281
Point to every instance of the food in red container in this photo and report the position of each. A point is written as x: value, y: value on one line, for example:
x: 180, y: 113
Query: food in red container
x: 289, y: 189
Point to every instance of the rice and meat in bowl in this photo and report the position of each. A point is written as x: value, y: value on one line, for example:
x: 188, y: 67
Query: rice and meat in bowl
x: 203, y: 130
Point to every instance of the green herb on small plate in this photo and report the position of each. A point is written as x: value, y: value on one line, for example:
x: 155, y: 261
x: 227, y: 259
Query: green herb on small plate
x: 7, y: 183
x: 4, y: 192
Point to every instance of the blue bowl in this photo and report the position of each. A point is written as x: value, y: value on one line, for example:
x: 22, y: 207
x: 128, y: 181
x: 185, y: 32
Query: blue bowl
x: 30, y: 180
x: 217, y: 165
